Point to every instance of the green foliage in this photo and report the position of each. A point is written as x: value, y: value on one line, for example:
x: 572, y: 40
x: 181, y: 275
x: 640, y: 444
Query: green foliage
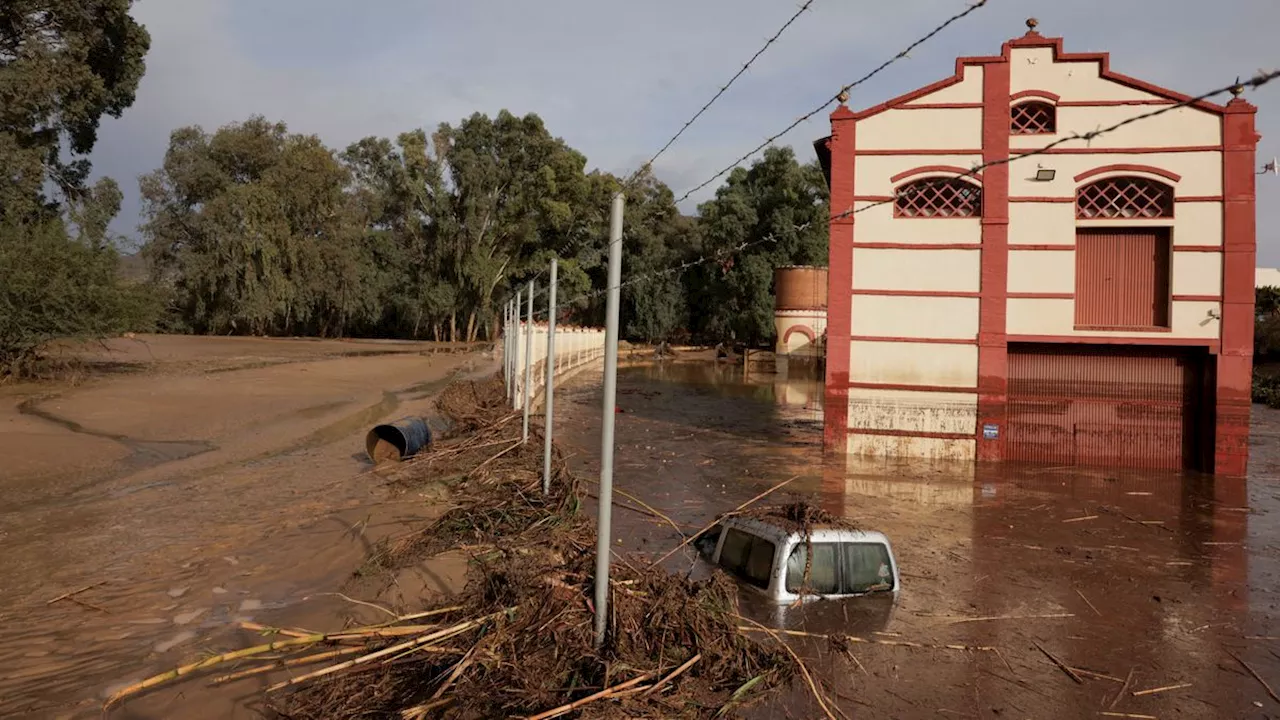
x: 256, y: 230
x: 64, y: 64
x: 776, y: 198
x: 54, y: 286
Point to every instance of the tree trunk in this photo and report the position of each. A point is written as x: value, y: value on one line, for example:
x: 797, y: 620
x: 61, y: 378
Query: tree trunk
x: 453, y: 326
x: 435, y: 331
x: 471, y: 327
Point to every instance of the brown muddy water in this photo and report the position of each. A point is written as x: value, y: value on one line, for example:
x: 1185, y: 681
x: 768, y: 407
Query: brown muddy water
x: 183, y: 495
x: 1163, y: 580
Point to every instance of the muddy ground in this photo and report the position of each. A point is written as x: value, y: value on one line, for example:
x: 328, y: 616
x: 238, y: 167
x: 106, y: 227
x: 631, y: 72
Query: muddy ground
x: 1154, y: 578
x: 203, y: 494
x: 191, y: 482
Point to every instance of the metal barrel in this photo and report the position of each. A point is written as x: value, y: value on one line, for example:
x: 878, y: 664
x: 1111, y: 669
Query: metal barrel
x: 397, y: 440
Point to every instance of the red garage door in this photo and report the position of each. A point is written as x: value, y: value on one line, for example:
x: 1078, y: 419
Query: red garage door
x: 1107, y: 406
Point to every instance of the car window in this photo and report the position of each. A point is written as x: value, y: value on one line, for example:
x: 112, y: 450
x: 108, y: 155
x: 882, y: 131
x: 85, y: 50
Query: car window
x: 866, y: 568
x: 823, y: 573
x: 747, y: 556
x: 760, y: 562
x: 733, y: 553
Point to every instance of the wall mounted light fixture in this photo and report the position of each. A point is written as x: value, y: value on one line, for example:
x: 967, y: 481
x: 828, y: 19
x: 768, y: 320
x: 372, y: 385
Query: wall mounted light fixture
x: 1044, y: 174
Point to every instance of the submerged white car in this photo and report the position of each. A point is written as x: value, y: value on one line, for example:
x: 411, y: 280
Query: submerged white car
x: 771, y: 559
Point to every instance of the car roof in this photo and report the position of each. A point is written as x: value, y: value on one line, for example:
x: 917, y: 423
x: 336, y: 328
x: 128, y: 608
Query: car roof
x: 818, y: 533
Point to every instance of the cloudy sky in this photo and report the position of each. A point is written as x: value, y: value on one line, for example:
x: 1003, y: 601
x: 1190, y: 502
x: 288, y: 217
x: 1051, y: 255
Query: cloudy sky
x: 615, y: 79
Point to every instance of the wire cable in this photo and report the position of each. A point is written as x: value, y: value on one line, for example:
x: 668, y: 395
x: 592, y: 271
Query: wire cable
x: 1262, y: 78
x: 834, y: 98
x: 649, y: 163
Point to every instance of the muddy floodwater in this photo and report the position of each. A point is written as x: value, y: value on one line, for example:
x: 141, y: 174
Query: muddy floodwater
x: 187, y: 484
x: 1162, y: 586
x: 197, y: 482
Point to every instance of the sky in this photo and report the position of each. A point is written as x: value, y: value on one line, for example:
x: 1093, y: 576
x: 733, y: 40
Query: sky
x: 616, y: 79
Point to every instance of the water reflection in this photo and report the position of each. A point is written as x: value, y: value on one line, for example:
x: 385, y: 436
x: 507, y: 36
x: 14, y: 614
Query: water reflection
x: 1109, y: 571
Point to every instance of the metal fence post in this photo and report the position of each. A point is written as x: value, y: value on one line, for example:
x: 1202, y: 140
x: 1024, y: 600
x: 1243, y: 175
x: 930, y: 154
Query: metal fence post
x: 549, y: 398
x: 528, y: 361
x: 515, y: 354
x: 506, y: 346
x: 604, y: 522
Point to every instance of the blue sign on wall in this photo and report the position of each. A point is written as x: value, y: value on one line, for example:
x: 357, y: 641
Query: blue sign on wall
x: 990, y: 432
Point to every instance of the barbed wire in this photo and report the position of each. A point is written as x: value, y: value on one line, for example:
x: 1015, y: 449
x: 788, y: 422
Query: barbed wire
x: 649, y: 163
x: 1262, y: 78
x: 834, y: 98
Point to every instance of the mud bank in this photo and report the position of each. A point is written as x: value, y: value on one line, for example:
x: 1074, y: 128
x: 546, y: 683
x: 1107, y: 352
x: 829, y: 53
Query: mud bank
x: 190, y: 492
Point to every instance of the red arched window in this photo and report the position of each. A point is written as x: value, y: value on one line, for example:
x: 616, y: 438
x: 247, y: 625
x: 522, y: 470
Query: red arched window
x: 938, y: 197
x: 1123, y: 198
x: 1033, y: 118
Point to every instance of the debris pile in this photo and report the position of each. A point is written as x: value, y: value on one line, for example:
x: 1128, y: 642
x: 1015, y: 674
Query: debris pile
x: 520, y: 639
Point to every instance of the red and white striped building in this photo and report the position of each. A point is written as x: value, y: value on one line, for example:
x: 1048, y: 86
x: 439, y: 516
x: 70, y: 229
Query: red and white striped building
x: 1091, y: 305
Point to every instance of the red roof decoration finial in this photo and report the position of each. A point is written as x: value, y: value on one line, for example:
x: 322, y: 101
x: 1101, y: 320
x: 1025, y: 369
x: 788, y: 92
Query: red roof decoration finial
x: 1032, y: 23
x: 843, y: 96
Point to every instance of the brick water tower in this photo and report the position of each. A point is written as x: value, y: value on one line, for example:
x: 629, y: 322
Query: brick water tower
x: 800, y: 315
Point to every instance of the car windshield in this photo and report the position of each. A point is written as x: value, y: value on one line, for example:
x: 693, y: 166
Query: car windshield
x: 747, y: 556
x: 840, y: 568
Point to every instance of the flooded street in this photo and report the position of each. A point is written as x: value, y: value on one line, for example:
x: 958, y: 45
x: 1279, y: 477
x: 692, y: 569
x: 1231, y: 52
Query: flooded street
x: 201, y: 482
x: 1161, y: 585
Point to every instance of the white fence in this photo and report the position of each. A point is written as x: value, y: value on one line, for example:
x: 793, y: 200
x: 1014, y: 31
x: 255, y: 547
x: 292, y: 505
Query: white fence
x: 574, y: 347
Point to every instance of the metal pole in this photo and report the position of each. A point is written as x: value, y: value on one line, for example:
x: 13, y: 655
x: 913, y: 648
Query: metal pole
x: 551, y: 377
x: 515, y: 354
x: 604, y: 522
x: 528, y: 361
x: 506, y: 346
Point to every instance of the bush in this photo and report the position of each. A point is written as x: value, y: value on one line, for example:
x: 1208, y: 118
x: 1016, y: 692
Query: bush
x: 1266, y: 389
x: 53, y: 287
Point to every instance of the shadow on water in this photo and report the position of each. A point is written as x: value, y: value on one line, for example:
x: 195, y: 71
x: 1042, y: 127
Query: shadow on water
x: 1164, y: 574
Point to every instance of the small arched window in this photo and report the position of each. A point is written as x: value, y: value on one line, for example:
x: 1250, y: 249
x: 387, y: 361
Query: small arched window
x: 938, y: 197
x: 1033, y: 118
x: 1124, y: 198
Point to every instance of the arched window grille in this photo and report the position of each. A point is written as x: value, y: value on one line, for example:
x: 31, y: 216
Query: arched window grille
x: 938, y: 197
x: 1123, y: 198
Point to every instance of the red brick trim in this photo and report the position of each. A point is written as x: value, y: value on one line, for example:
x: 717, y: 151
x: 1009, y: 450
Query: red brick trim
x: 1122, y: 328
x: 1197, y: 198
x: 1128, y: 168
x: 1117, y: 150
x: 1113, y: 103
x: 918, y: 246
x: 1239, y: 240
x: 888, y: 432
x: 912, y: 388
x: 1039, y: 295
x: 1020, y: 151
x: 1166, y: 96
x: 1197, y: 298
x: 873, y: 198
x: 927, y: 169
x: 1037, y: 94
x: 1035, y: 199
x: 940, y: 106
x: 1055, y: 246
x: 993, y: 354
x: 916, y: 293
x: 803, y: 330
x: 1114, y: 340
x: 835, y: 416
x: 1206, y: 248
x: 918, y: 151
x: 1034, y: 39
x: 904, y: 339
